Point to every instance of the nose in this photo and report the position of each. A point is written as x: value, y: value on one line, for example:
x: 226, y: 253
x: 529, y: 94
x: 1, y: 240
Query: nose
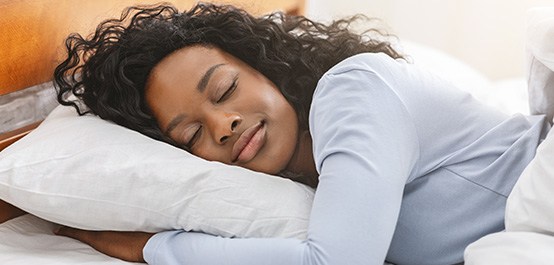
x: 224, y: 125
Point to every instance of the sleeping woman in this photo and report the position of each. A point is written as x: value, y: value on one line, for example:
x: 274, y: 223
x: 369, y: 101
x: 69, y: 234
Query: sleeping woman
x: 408, y: 168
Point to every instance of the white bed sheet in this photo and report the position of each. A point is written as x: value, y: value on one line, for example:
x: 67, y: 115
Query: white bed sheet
x: 511, y: 248
x: 29, y: 240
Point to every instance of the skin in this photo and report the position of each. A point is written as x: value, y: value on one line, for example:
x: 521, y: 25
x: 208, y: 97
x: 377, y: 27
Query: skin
x: 237, y: 117
x: 8, y: 211
x: 205, y: 99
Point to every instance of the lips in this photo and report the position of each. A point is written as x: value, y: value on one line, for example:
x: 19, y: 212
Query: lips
x: 249, y: 143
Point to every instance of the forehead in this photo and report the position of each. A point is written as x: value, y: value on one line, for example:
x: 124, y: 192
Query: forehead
x: 191, y: 62
x: 178, y: 74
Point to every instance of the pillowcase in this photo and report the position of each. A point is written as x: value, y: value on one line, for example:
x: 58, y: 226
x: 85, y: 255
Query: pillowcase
x: 85, y: 172
x: 540, y: 60
x: 530, y: 207
x: 510, y: 248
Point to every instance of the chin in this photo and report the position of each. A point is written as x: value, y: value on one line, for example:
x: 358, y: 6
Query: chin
x: 268, y: 168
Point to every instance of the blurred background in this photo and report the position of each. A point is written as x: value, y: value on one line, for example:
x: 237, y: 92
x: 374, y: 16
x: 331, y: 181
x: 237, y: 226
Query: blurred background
x: 488, y: 35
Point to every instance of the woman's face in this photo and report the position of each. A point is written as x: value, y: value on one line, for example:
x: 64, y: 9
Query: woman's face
x: 222, y: 109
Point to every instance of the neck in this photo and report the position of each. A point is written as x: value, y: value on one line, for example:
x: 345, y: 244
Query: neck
x: 302, y: 162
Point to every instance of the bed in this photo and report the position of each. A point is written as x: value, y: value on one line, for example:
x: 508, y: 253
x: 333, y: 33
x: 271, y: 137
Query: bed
x: 32, y: 34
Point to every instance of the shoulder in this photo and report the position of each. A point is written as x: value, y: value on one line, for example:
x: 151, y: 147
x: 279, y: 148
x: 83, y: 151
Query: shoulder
x: 357, y: 74
x: 361, y: 72
x: 354, y: 103
x: 359, y: 88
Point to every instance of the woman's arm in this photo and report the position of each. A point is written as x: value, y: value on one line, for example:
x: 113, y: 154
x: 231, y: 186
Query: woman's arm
x: 365, y: 148
x: 8, y: 211
x: 122, y: 245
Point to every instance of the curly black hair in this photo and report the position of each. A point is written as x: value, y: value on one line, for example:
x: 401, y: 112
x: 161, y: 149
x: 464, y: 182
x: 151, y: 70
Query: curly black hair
x: 108, y: 70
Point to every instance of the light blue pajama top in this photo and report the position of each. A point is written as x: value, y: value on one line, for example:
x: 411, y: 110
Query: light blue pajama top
x: 411, y: 169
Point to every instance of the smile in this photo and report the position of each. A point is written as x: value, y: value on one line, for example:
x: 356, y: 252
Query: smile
x: 249, y: 143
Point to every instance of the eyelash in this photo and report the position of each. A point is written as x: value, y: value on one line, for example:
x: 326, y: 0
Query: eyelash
x: 229, y: 91
x: 194, y: 137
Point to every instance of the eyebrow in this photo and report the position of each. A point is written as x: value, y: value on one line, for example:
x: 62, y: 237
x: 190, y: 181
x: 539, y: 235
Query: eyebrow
x: 174, y: 122
x: 206, y: 78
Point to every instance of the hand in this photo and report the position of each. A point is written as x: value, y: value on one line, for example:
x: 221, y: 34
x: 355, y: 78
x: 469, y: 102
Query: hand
x: 122, y: 245
x: 8, y: 211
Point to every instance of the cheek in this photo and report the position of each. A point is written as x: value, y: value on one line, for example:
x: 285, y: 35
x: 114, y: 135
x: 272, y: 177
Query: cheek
x: 286, y: 115
x: 287, y: 125
x: 207, y: 152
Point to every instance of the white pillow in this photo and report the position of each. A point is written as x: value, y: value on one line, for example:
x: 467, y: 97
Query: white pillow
x: 89, y: 173
x: 511, y: 248
x: 530, y: 206
x: 540, y: 60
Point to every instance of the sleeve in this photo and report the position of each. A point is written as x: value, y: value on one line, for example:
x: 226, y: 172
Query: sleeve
x: 365, y: 148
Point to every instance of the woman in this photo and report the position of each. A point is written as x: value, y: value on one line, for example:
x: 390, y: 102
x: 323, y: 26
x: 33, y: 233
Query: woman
x: 408, y: 169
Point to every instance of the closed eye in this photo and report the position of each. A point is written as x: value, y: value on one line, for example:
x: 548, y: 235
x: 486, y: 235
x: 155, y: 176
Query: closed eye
x: 229, y: 90
x: 190, y: 143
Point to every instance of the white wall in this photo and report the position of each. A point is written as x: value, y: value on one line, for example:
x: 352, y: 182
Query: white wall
x: 487, y: 34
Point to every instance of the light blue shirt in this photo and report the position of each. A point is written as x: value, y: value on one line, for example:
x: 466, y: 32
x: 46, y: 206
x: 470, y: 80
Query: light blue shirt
x: 411, y: 170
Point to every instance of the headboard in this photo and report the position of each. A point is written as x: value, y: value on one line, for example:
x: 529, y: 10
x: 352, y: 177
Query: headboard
x: 32, y: 34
